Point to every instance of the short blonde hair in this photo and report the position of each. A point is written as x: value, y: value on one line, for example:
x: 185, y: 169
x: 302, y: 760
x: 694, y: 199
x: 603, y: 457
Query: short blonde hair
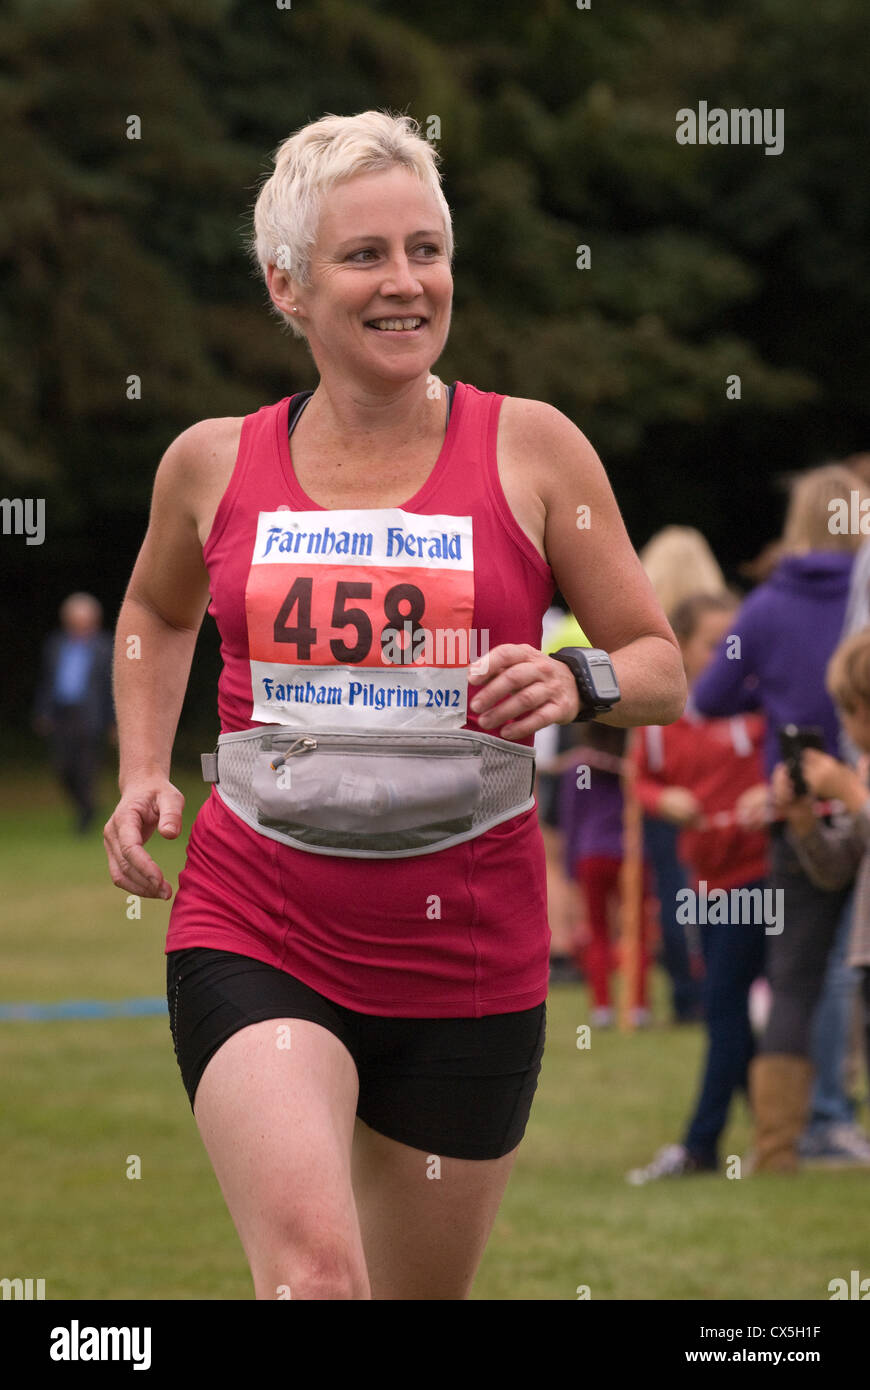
x: 847, y: 677
x: 808, y: 516
x: 320, y: 155
x: 679, y: 564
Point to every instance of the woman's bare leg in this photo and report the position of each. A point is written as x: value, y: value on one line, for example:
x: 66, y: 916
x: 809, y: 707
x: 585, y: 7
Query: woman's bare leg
x: 275, y: 1109
x: 424, y: 1223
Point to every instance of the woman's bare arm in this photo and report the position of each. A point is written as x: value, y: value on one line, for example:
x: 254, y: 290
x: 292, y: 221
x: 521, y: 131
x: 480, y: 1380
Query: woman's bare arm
x: 155, y: 639
x: 599, y: 574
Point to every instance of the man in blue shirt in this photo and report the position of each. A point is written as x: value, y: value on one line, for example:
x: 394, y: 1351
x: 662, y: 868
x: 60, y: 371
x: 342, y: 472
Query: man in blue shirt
x: 73, y: 706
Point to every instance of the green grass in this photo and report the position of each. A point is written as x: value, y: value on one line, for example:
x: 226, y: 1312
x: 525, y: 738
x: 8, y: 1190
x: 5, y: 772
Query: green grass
x: 78, y: 1098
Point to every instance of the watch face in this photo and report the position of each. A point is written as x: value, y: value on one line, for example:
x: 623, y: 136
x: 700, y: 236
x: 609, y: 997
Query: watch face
x: 595, y: 677
x: 601, y: 675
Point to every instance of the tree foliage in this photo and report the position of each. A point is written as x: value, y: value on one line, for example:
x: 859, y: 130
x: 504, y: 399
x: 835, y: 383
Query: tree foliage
x: 125, y: 257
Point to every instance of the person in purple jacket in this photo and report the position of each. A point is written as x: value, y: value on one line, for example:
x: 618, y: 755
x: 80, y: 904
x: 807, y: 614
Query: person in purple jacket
x: 774, y: 659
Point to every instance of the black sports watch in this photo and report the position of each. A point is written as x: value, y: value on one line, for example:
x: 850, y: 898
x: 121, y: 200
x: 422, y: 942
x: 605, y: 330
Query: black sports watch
x: 596, y: 680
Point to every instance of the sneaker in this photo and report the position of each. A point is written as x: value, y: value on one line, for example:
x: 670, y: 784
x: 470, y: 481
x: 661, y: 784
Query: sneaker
x: 641, y: 1018
x: 840, y: 1145
x: 673, y: 1161
x: 601, y: 1017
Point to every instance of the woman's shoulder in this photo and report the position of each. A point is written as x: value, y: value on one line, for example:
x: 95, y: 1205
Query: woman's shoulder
x: 538, y: 418
x: 205, y: 435
x: 203, y: 447
x: 540, y: 435
x: 196, y: 468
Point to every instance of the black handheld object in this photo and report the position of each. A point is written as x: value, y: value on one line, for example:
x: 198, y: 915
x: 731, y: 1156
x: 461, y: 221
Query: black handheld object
x: 792, y: 741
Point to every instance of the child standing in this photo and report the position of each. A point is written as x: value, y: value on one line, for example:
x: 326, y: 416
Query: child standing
x: 592, y: 816
x: 707, y: 776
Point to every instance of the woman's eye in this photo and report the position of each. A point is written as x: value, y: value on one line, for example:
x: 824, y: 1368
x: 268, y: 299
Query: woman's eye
x: 370, y: 251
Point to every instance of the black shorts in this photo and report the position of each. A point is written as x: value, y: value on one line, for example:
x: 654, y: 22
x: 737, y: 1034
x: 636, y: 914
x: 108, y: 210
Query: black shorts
x: 455, y: 1087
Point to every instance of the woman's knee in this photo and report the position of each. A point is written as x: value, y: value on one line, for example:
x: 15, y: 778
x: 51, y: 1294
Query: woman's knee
x: 319, y: 1267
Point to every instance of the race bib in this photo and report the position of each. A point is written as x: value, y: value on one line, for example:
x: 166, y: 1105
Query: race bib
x: 361, y: 619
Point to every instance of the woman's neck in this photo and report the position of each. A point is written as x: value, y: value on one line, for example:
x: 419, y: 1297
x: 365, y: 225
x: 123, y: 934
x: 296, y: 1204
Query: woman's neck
x: 413, y: 413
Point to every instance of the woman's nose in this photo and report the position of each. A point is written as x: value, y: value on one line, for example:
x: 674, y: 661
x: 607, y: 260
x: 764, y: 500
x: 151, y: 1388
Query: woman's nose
x: 401, y: 279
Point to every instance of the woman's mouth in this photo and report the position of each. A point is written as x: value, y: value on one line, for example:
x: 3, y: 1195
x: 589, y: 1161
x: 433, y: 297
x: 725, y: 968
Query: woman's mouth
x: 409, y: 326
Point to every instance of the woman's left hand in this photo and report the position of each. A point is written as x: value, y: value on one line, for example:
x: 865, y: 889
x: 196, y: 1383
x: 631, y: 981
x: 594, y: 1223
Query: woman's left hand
x: 521, y: 690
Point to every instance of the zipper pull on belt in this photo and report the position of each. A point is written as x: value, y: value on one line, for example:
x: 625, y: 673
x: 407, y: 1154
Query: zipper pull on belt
x: 302, y: 745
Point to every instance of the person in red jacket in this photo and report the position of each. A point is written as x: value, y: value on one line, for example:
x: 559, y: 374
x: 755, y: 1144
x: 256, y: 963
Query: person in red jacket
x: 707, y: 776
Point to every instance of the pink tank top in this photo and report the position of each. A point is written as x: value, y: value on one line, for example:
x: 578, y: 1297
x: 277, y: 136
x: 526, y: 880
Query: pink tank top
x: 304, y: 607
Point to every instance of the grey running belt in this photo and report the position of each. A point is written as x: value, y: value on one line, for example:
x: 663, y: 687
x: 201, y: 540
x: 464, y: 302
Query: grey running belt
x: 371, y: 795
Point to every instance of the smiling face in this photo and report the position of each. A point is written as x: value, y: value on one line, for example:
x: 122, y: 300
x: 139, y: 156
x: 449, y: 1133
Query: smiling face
x: 380, y: 257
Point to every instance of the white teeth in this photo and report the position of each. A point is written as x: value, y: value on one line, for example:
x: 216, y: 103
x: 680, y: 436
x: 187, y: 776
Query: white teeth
x: 396, y: 325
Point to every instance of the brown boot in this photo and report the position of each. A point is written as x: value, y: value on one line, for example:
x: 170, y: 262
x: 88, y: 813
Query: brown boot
x: 779, y: 1093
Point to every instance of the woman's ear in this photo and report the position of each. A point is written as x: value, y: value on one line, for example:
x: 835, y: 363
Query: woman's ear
x: 282, y: 289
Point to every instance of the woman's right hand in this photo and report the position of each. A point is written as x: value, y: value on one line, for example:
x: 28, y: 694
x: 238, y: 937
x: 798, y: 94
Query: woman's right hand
x: 146, y: 805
